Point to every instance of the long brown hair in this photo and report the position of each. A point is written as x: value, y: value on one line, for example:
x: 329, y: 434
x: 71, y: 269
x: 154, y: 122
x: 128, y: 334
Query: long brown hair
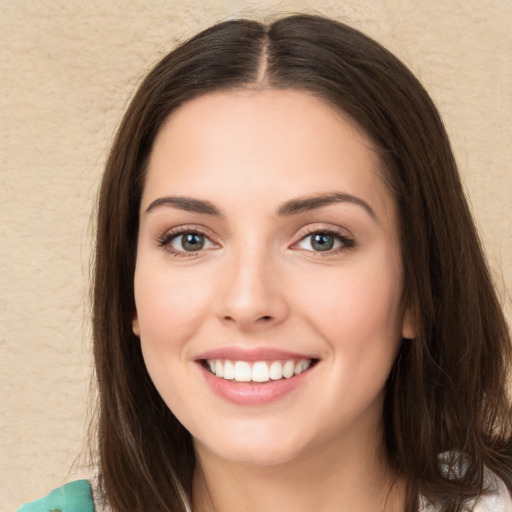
x: 447, y: 389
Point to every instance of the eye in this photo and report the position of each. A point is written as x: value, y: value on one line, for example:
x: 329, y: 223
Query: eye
x: 324, y: 241
x: 186, y: 241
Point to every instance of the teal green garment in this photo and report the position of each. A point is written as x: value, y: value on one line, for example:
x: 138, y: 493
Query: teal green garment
x: 73, y: 497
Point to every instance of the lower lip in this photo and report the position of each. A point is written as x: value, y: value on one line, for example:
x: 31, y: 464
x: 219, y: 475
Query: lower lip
x: 249, y: 393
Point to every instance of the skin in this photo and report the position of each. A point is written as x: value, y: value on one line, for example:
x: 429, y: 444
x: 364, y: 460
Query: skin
x: 259, y: 282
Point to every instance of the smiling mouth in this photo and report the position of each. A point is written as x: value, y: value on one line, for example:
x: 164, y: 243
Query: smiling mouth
x: 257, y: 371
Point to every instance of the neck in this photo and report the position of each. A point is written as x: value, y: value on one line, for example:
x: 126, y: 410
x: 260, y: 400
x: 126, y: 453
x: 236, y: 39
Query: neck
x: 331, y: 478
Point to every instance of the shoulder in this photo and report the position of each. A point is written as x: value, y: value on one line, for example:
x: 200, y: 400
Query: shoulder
x: 496, y: 499
x: 73, y: 497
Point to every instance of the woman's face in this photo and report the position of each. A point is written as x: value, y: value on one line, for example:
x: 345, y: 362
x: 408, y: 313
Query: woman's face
x: 268, y: 279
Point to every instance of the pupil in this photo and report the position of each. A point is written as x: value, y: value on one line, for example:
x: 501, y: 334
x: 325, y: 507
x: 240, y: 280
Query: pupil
x: 193, y: 242
x: 322, y: 242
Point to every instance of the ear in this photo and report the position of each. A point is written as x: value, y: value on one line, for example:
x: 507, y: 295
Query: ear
x: 135, y: 325
x: 409, y: 330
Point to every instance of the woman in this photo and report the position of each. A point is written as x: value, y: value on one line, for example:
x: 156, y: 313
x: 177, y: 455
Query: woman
x: 292, y: 310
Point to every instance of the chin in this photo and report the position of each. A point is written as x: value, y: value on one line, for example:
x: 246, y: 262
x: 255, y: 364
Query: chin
x: 256, y: 447
x: 257, y: 455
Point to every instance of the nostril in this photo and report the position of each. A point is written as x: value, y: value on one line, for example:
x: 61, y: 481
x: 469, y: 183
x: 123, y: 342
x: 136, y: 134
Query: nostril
x: 242, y: 319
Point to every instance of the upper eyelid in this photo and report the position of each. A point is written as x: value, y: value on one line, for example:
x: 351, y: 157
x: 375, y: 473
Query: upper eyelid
x: 319, y: 227
x: 188, y: 228
x: 343, y: 238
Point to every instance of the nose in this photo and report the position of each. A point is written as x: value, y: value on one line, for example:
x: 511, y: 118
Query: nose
x: 254, y: 295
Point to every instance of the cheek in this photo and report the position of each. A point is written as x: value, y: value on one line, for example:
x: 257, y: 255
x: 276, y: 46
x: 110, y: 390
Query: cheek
x: 353, y: 300
x: 170, y: 305
x: 358, y: 318
x: 356, y: 310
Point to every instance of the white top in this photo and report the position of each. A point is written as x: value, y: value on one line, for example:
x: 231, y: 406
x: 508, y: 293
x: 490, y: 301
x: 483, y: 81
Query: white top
x: 498, y: 499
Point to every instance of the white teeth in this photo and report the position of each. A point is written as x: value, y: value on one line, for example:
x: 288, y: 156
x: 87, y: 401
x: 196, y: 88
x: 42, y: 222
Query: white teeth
x: 259, y: 371
x: 276, y: 370
x: 229, y: 370
x: 219, y: 369
x: 301, y: 366
x: 242, y: 371
x: 288, y: 369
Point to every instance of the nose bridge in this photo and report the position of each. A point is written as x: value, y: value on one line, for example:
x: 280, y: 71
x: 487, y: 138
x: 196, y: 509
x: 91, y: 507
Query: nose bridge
x: 252, y: 295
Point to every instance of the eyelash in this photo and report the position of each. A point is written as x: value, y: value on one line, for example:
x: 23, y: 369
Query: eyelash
x: 166, y: 240
x: 346, y: 243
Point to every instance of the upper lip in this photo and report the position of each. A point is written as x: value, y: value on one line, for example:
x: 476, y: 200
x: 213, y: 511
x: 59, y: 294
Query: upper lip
x: 252, y: 354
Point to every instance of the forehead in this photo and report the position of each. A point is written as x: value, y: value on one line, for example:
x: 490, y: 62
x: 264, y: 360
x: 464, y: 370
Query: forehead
x: 270, y: 142
x: 273, y: 118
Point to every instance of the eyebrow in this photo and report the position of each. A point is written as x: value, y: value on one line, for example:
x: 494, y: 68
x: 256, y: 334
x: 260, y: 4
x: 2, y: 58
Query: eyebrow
x: 186, y: 203
x: 292, y: 207
x: 300, y: 205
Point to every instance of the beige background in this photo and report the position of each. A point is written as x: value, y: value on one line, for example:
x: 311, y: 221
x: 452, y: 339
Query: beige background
x: 66, y: 73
